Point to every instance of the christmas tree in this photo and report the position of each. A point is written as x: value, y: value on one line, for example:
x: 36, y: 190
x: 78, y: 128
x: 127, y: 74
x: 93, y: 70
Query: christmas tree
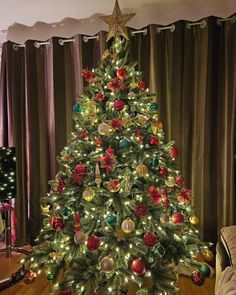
x: 119, y: 211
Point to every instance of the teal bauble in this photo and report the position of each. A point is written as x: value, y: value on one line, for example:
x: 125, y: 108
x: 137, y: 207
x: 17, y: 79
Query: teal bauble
x: 124, y: 143
x: 111, y: 219
x: 159, y: 250
x: 77, y: 108
x: 50, y: 277
x: 205, y: 270
x: 154, y: 162
x: 65, y: 211
x: 154, y: 106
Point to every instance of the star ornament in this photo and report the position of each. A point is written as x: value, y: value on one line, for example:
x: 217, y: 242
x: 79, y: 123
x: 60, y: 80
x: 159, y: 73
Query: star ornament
x: 117, y: 22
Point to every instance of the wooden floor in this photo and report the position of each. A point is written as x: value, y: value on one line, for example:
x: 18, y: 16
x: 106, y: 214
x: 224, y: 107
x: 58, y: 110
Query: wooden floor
x: 41, y: 285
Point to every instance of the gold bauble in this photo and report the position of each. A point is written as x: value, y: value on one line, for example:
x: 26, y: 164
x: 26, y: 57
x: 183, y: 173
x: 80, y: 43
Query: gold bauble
x: 141, y: 120
x: 194, y: 220
x: 107, y: 264
x: 128, y: 226
x: 208, y: 255
x: 88, y: 194
x: 104, y: 129
x: 170, y: 181
x: 142, y: 170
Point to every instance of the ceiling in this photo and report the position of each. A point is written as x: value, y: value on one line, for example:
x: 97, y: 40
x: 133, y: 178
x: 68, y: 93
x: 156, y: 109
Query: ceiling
x: 30, y: 19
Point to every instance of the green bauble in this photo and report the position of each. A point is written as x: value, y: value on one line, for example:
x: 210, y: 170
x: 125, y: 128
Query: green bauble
x: 77, y: 108
x: 205, y: 270
x: 154, y: 162
x: 66, y: 211
x: 159, y: 250
x: 111, y: 219
x: 124, y: 143
x: 50, y: 277
x: 154, y: 106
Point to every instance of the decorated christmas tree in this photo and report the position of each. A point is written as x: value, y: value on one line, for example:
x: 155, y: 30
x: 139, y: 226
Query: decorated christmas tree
x: 119, y: 211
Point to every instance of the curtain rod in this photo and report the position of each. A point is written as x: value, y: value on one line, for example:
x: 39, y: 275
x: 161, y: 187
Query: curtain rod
x: 171, y: 28
x: 231, y: 19
x: 201, y: 23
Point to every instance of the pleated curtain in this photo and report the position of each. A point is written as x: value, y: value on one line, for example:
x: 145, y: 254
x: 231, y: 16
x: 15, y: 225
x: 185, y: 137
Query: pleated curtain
x: 192, y: 70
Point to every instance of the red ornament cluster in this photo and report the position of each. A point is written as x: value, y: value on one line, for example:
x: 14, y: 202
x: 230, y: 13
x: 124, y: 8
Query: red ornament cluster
x: 174, y: 152
x: 141, y: 85
x: 56, y: 223
x: 100, y: 97
x: 108, y: 161
x: 88, y: 75
x: 116, y: 85
x: 116, y: 124
x: 163, y: 171
x: 81, y: 135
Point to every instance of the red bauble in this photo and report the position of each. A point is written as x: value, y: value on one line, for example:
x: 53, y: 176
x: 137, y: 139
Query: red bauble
x: 82, y: 135
x: 119, y: 105
x: 154, y: 140
x: 56, y: 223
x: 60, y: 185
x: 121, y: 73
x: 177, y: 218
x: 98, y: 142
x: 100, y: 97
x: 163, y: 171
x: 141, y: 85
x: 150, y: 239
x: 93, y: 243
x: 116, y: 124
x: 141, y: 210
x: 66, y: 293
x: 174, y: 152
x: 138, y: 267
x: 179, y: 180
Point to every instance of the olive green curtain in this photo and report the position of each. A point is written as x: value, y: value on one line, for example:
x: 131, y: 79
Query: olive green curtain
x: 192, y: 71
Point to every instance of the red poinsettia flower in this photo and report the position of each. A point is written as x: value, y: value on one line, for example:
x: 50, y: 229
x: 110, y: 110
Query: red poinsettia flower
x: 184, y: 197
x: 116, y: 85
x: 108, y: 162
x: 155, y: 195
x: 121, y: 73
x: 88, y: 75
x: 79, y: 173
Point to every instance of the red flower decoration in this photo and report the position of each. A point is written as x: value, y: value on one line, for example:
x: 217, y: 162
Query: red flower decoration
x: 141, y: 85
x: 88, y: 75
x: 163, y: 171
x: 141, y: 210
x: 100, y: 97
x: 93, y: 243
x: 79, y: 174
x: 119, y: 105
x: 98, y: 142
x: 82, y: 135
x: 179, y: 180
x: 154, y: 194
x: 116, y: 85
x: 116, y: 124
x: 121, y: 73
x: 150, y: 239
x: 154, y: 140
x: 174, y: 152
x: 184, y: 197
x: 108, y: 161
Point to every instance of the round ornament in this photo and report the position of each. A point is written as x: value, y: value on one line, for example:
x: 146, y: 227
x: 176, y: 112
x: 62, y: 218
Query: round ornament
x: 197, y: 278
x: 174, y: 152
x: 154, y: 140
x: 141, y: 210
x: 138, y: 267
x: 103, y: 129
x: 107, y: 264
x: 141, y: 120
x: 119, y: 105
x: 79, y: 237
x: 150, y: 239
x: 93, y: 243
x: 164, y: 218
x: 170, y: 181
x: 141, y: 170
x: 111, y: 219
x: 50, y: 276
x: 65, y: 211
x: 205, y: 270
x: 163, y: 171
x: 30, y: 277
x: 88, y: 194
x: 159, y: 250
x: 154, y: 106
x: 194, y: 220
x: 124, y: 143
x: 128, y: 226
x: 57, y: 224
x: 208, y: 255
x: 113, y: 185
x: 177, y: 218
x: 121, y: 73
x: 154, y: 162
x: 77, y: 108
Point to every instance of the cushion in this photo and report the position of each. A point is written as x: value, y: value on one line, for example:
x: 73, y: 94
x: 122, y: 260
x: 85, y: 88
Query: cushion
x: 228, y: 238
x: 227, y: 282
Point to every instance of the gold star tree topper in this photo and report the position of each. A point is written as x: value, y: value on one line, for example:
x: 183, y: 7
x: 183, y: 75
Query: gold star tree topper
x: 117, y: 22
